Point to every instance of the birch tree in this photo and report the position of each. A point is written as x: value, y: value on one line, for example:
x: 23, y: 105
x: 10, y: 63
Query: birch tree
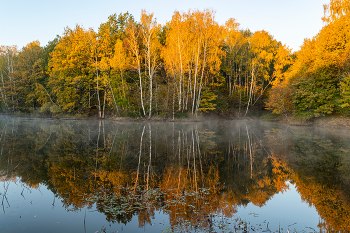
x: 176, y: 55
x: 192, y: 50
x: 205, y: 51
x: 133, y: 38
x: 263, y: 48
x: 233, y: 41
x: 8, y: 54
x: 151, y: 50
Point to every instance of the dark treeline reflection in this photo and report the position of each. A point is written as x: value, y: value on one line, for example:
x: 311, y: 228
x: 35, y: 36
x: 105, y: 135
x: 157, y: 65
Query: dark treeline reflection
x: 190, y: 171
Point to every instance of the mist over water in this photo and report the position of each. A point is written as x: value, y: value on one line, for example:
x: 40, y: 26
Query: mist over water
x: 89, y: 175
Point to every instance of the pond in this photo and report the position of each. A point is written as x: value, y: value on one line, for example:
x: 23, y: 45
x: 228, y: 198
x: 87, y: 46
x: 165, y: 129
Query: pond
x: 218, y: 176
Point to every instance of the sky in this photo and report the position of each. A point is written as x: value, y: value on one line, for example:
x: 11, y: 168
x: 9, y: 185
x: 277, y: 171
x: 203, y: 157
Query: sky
x: 288, y: 21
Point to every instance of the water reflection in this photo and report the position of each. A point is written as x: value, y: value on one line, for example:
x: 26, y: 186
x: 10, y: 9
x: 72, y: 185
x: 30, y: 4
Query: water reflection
x: 190, y: 171
x: 320, y: 170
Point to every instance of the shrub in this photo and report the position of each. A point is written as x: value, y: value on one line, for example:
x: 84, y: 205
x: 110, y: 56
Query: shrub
x: 50, y: 108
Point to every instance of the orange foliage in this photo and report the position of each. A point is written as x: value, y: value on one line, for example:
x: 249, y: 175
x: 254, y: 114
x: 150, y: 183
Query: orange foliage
x: 335, y: 10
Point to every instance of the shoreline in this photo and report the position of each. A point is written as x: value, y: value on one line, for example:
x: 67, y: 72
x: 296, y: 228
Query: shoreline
x: 333, y: 121
x: 127, y: 119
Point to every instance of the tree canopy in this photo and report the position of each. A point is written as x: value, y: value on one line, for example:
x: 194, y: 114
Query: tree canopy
x: 188, y: 66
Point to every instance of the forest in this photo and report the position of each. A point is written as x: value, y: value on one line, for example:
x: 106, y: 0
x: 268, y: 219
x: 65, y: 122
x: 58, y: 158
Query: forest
x: 190, y: 66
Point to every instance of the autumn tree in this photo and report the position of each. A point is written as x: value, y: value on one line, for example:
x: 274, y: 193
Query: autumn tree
x: 29, y: 73
x: 113, y: 60
x: 321, y: 66
x: 119, y: 62
x: 335, y: 10
x: 7, y: 62
x: 252, y: 63
x: 149, y: 29
x: 133, y: 41
x: 280, y: 95
x: 205, y: 51
x: 192, y: 51
x: 73, y: 66
x: 176, y: 57
x: 262, y: 47
x: 233, y: 41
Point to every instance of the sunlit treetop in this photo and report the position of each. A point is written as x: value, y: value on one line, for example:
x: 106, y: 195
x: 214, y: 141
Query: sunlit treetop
x: 335, y: 10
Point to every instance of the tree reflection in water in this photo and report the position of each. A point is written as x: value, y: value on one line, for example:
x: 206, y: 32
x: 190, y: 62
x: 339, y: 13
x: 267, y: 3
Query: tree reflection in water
x: 190, y: 171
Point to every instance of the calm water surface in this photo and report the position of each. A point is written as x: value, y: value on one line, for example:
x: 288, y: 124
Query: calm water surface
x: 225, y: 176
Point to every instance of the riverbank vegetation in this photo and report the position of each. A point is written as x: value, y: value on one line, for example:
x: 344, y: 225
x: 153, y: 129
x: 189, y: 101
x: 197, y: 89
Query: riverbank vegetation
x: 190, y: 65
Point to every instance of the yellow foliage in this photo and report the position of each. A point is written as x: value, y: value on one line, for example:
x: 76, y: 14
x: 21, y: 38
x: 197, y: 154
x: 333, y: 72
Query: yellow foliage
x: 120, y: 60
x: 335, y: 10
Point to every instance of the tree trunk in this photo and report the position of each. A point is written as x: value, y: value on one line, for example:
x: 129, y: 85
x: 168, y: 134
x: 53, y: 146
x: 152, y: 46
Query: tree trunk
x: 115, y: 103
x: 98, y: 93
x: 104, y: 103
x: 195, y: 80
x: 251, y: 89
x: 3, y: 92
x: 150, y: 155
x: 201, y: 80
x: 138, y: 166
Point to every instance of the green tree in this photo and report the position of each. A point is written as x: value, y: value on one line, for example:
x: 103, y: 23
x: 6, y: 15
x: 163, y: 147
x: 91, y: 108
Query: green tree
x: 29, y: 71
x: 316, y: 94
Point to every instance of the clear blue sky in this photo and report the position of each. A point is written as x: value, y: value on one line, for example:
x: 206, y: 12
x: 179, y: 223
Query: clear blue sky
x: 289, y: 21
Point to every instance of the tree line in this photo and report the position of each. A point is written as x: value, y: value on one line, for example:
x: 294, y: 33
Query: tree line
x: 192, y: 64
x: 141, y: 68
x: 318, y: 82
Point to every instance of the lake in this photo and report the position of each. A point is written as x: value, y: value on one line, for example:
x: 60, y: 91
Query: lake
x: 218, y: 176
